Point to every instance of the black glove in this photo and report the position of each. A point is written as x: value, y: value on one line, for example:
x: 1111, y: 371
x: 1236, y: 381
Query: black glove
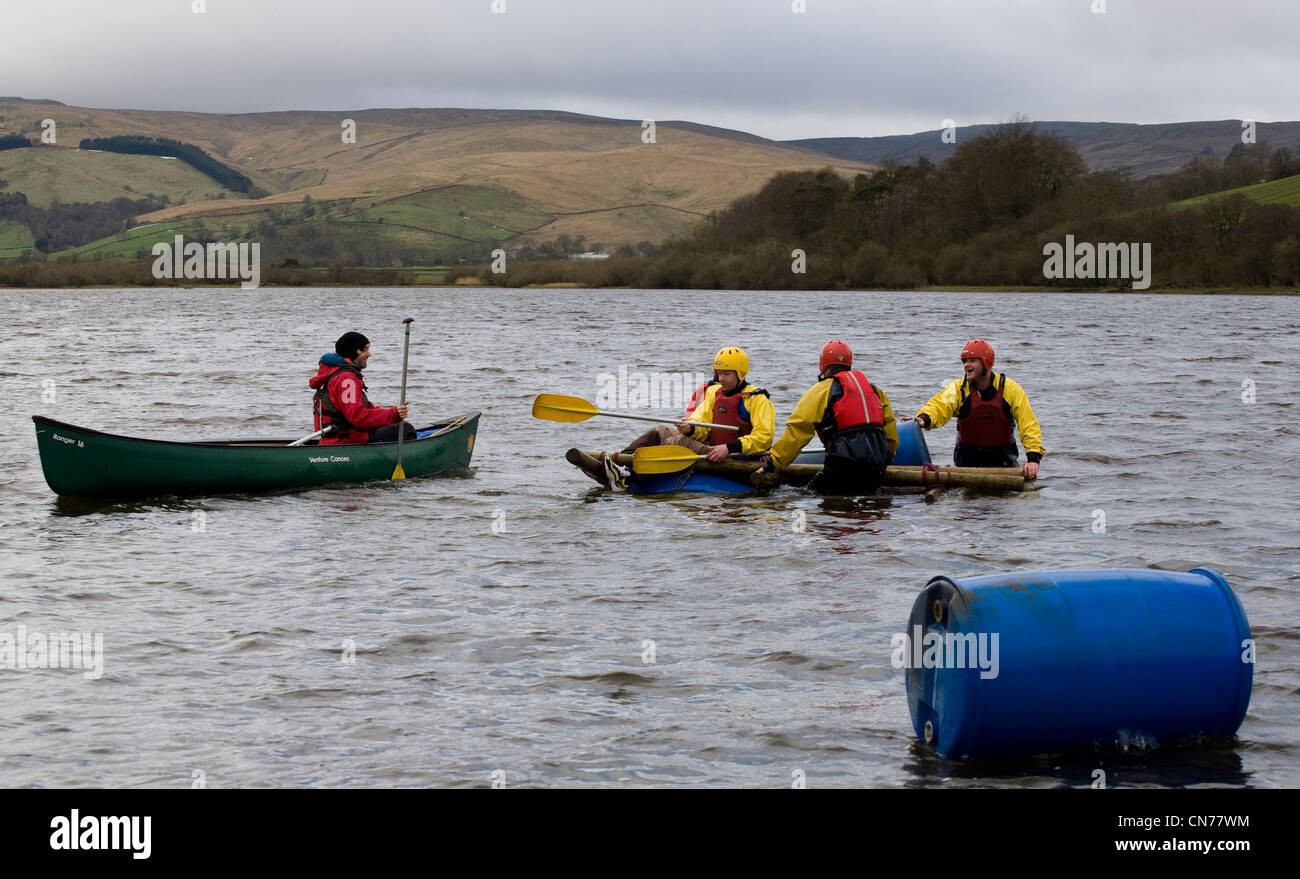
x: 764, y: 478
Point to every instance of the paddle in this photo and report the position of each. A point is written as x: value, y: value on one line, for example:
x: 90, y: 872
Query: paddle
x: 311, y: 436
x: 558, y: 407
x: 662, y: 459
x: 398, y: 472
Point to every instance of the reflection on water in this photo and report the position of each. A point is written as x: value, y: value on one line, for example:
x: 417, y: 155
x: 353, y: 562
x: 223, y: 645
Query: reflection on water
x: 1200, y: 764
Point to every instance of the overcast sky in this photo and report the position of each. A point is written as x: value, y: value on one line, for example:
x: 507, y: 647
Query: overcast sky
x: 842, y: 68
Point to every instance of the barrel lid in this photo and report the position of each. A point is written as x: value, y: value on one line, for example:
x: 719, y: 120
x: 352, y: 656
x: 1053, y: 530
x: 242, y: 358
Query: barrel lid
x: 941, y: 700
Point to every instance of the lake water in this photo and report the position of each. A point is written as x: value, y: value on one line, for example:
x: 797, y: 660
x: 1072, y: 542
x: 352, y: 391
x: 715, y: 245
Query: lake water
x: 516, y: 624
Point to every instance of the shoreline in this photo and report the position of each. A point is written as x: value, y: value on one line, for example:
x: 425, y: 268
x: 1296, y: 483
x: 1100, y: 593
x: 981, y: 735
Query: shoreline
x: 558, y: 285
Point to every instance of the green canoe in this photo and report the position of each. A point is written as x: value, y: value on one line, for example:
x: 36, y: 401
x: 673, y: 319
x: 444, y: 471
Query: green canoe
x: 79, y: 462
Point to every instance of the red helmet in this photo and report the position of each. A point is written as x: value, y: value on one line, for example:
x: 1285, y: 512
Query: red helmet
x: 979, y: 349
x: 835, y: 353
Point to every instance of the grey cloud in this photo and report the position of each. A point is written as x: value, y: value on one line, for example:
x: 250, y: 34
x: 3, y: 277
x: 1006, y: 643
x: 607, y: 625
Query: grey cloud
x: 846, y: 67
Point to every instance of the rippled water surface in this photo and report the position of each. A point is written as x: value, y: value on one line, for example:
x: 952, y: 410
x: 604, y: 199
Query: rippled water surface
x: 518, y: 653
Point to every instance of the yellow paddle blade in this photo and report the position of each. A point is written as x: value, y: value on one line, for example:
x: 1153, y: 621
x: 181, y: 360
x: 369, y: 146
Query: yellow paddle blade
x: 398, y: 472
x: 558, y: 407
x: 662, y: 459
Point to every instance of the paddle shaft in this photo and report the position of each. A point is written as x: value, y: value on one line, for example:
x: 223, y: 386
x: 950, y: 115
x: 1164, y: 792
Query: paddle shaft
x: 401, y: 423
x: 665, y: 420
x: 311, y: 436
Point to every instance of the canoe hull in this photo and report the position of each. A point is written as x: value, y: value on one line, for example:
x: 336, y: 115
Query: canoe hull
x: 79, y: 462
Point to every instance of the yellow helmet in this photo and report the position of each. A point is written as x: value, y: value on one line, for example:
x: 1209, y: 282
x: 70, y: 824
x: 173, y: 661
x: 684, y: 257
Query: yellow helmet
x: 732, y: 358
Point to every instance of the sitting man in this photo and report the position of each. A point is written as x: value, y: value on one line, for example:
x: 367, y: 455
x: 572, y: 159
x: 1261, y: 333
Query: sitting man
x: 987, y: 407
x: 341, y: 403
x: 730, y: 400
x: 854, y: 420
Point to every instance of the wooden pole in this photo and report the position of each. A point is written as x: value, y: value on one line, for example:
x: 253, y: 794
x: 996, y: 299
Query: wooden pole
x: 985, y: 478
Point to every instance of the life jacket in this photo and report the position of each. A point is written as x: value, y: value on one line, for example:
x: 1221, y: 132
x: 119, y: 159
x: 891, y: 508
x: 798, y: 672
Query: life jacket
x: 730, y: 409
x: 983, y: 422
x: 697, y: 396
x: 327, y: 414
x: 855, y: 407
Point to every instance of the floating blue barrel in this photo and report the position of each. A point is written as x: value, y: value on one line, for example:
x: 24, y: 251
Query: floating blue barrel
x: 912, y: 450
x: 1061, y: 659
x: 705, y: 483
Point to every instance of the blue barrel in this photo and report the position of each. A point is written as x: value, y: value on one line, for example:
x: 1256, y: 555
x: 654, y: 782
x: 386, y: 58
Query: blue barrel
x: 1039, y: 662
x: 912, y: 450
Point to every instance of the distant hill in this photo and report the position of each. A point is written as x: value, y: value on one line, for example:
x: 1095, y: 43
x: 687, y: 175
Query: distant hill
x: 1144, y: 149
x: 518, y: 176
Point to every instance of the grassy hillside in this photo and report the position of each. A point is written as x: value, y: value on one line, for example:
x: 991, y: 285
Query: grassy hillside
x: 1285, y: 191
x: 14, y: 239
x: 456, y: 175
x: 50, y: 174
x: 467, y: 213
x: 1144, y: 149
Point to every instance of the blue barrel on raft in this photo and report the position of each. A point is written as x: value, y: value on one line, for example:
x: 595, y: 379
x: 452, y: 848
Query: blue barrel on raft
x: 1041, y: 662
x: 912, y: 451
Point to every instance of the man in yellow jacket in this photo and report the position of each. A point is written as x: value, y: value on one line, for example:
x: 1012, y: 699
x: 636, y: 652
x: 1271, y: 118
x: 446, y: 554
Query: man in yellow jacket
x: 854, y: 420
x: 987, y: 406
x: 731, y: 400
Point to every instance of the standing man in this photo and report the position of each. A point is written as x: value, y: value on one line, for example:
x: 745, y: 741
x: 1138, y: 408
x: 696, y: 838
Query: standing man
x: 854, y: 420
x: 728, y: 399
x: 987, y: 406
x: 341, y: 402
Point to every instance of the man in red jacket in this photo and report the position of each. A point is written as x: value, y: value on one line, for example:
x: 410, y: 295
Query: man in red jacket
x: 341, y: 400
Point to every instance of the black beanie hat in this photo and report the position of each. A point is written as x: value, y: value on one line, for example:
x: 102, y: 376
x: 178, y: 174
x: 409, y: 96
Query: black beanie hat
x: 349, y: 344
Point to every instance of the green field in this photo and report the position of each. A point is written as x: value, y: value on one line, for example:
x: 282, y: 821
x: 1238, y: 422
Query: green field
x: 127, y: 244
x: 423, y: 225
x: 1285, y: 191
x: 14, y: 239
x: 423, y: 222
x: 49, y: 174
x: 461, y: 212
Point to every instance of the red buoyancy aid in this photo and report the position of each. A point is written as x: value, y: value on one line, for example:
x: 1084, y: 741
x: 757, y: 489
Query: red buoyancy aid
x: 730, y: 409
x: 987, y: 423
x: 858, y: 406
x: 327, y: 413
x: 697, y: 397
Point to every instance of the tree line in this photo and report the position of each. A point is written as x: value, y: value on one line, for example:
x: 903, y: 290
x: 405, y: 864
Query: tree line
x: 13, y: 142
x: 188, y: 153
x: 61, y: 226
x: 1245, y: 164
x: 981, y: 218
x: 28, y: 272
